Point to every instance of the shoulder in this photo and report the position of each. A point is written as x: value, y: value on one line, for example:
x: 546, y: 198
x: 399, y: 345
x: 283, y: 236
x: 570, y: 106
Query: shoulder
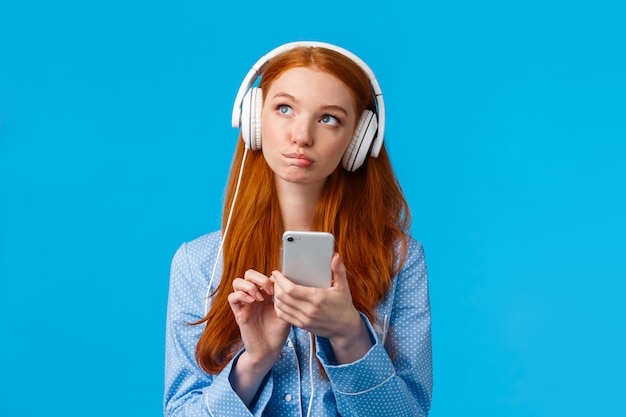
x: 202, y: 246
x: 411, y: 282
x: 414, y: 267
x: 414, y: 252
x: 197, y: 257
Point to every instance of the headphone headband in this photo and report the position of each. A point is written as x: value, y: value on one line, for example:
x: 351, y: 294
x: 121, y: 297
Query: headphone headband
x: 258, y: 68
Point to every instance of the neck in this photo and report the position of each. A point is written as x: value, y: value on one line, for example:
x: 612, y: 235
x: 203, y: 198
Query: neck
x: 297, y: 204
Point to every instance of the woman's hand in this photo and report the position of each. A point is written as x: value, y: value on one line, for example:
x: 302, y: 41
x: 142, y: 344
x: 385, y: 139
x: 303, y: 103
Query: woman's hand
x: 326, y: 312
x: 262, y: 332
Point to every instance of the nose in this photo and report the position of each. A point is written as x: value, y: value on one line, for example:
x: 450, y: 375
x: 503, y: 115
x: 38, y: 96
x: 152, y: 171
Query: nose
x: 302, y: 134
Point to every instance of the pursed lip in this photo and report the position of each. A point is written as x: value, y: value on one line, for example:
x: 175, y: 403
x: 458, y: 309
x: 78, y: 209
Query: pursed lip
x: 299, y: 156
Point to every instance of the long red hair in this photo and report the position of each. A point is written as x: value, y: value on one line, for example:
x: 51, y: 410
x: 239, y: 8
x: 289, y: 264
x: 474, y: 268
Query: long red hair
x: 365, y: 210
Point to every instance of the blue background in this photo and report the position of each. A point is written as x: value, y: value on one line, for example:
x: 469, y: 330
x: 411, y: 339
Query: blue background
x: 505, y: 125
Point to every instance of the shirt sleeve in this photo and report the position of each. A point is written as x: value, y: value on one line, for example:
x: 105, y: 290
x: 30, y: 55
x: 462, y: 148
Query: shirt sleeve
x: 189, y: 391
x: 400, y: 383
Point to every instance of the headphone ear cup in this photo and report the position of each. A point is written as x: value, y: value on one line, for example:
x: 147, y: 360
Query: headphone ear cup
x: 361, y: 142
x: 251, y: 118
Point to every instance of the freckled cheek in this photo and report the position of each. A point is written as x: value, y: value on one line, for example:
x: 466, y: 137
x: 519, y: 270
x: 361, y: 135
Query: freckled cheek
x: 272, y: 130
x: 341, y: 148
x: 266, y: 122
x: 269, y: 135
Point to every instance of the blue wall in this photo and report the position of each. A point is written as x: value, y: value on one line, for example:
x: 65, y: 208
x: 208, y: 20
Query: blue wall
x: 505, y: 125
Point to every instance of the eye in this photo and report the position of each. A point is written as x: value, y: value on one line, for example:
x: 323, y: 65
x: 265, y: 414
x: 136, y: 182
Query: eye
x: 330, y: 120
x: 284, y: 109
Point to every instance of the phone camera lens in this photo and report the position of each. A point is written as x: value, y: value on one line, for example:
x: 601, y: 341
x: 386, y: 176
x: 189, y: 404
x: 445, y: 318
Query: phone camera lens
x: 290, y: 239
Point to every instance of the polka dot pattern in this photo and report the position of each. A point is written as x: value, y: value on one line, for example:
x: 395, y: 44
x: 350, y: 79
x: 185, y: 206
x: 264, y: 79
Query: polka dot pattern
x: 378, y: 384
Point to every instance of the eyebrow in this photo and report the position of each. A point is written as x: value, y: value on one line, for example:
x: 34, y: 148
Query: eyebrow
x: 326, y: 107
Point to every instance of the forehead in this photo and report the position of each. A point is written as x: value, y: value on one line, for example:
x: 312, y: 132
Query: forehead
x: 310, y: 82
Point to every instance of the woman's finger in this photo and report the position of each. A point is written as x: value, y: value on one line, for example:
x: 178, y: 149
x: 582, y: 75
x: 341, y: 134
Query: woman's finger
x: 295, y: 291
x: 240, y: 297
x: 261, y: 281
x: 248, y: 287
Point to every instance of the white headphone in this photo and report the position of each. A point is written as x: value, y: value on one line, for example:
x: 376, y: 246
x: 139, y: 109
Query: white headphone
x: 369, y: 132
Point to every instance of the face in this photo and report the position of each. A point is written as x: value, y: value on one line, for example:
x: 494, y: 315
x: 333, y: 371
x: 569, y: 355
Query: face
x: 307, y: 121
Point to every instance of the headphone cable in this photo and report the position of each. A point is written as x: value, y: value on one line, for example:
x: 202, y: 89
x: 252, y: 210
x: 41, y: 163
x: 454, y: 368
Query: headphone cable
x: 230, y: 215
x: 311, y: 347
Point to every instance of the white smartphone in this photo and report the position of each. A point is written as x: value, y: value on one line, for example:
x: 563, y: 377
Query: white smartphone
x: 307, y: 257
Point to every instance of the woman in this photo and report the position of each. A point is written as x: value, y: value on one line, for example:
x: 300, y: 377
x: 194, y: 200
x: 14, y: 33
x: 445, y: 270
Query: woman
x: 256, y: 343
